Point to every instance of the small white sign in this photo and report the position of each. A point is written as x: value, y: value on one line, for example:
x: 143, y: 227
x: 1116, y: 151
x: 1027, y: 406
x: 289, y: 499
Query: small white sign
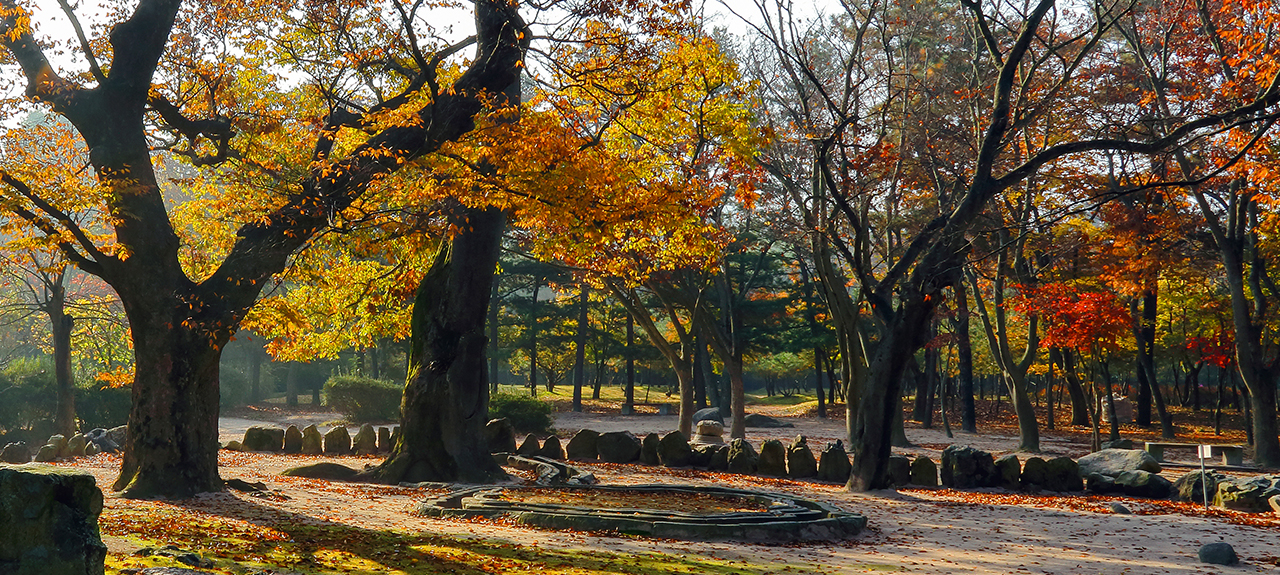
x: 1206, y: 452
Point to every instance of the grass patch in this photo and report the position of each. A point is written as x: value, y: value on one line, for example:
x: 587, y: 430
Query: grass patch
x: 276, y: 541
x: 794, y: 399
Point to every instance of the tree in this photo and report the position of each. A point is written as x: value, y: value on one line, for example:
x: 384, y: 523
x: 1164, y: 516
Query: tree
x: 1029, y: 64
x: 1195, y: 55
x: 180, y: 323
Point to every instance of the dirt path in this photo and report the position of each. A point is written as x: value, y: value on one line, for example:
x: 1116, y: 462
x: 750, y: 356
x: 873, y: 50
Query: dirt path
x: 917, y: 531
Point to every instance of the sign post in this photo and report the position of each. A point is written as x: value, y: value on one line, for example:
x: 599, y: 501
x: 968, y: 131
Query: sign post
x: 1205, y: 452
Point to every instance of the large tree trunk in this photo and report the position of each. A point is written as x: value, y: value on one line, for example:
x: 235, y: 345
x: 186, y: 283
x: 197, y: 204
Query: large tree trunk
x: 446, y: 398
x: 171, y: 448
x: 881, y: 393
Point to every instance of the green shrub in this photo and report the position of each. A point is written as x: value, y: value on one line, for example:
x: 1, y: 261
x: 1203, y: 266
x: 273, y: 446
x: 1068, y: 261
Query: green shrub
x: 526, y: 414
x: 362, y: 399
x: 28, y: 394
x: 100, y: 405
x: 233, y: 388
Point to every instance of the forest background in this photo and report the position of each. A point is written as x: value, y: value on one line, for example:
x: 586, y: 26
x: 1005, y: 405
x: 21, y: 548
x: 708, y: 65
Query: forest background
x: 923, y: 200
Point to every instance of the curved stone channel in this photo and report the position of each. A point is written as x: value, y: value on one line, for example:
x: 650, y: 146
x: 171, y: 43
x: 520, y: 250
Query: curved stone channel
x: 782, y: 518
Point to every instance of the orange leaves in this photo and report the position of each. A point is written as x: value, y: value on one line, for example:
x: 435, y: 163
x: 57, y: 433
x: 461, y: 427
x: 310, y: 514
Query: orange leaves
x: 1082, y: 320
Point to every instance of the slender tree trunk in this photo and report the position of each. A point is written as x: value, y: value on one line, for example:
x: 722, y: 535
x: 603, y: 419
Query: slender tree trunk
x: 1028, y: 427
x: 291, y: 385
x: 1147, y: 379
x: 533, y: 338
x: 737, y: 399
x: 494, y: 307
x: 699, y: 375
x: 964, y: 349
x: 446, y: 398
x: 1105, y: 373
x: 817, y: 382
x: 580, y: 354
x: 1075, y: 390
x: 630, y: 391
x: 65, y: 416
x: 255, y: 374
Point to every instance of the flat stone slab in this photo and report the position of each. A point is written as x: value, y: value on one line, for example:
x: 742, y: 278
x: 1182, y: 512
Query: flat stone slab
x: 781, y: 518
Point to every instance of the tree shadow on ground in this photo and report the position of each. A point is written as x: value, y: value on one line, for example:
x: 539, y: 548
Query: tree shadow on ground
x: 301, y: 543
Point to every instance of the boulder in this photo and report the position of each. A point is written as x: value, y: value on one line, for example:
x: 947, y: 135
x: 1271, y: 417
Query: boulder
x: 710, y: 432
x: 674, y: 451
x: 365, y: 441
x: 76, y: 445
x: 1063, y: 474
x: 1219, y: 553
x: 965, y: 467
x: 923, y: 472
x: 834, y: 464
x: 1119, y: 508
x: 385, y: 445
x: 91, y: 448
x: 1139, y: 483
x: 293, y: 439
x: 1008, y: 472
x: 46, y: 454
x: 16, y: 453
x: 98, y: 436
x: 233, y: 445
x: 899, y: 470
x: 49, y: 521
x: 649, y: 449
x: 583, y: 445
x: 800, y: 460
x: 551, y: 448
x: 1097, y: 483
x: 312, y: 441
x: 395, y: 434
x: 618, y: 447
x: 1118, y: 444
x: 530, y: 446
x: 118, y: 435
x: 1124, y: 410
x: 499, y: 436
x: 773, y: 459
x: 702, y: 454
x: 720, y: 459
x: 337, y: 441
x: 263, y: 438
x: 709, y: 414
x: 59, y: 444
x: 764, y: 421
x: 1251, y: 494
x: 1194, y: 485
x: 323, y: 470
x: 742, y: 457
x: 1113, y: 462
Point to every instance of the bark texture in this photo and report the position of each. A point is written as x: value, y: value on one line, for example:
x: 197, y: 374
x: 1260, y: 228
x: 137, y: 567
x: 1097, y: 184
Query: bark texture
x: 446, y: 399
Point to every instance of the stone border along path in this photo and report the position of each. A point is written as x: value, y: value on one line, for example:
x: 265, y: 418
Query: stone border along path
x: 788, y: 519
